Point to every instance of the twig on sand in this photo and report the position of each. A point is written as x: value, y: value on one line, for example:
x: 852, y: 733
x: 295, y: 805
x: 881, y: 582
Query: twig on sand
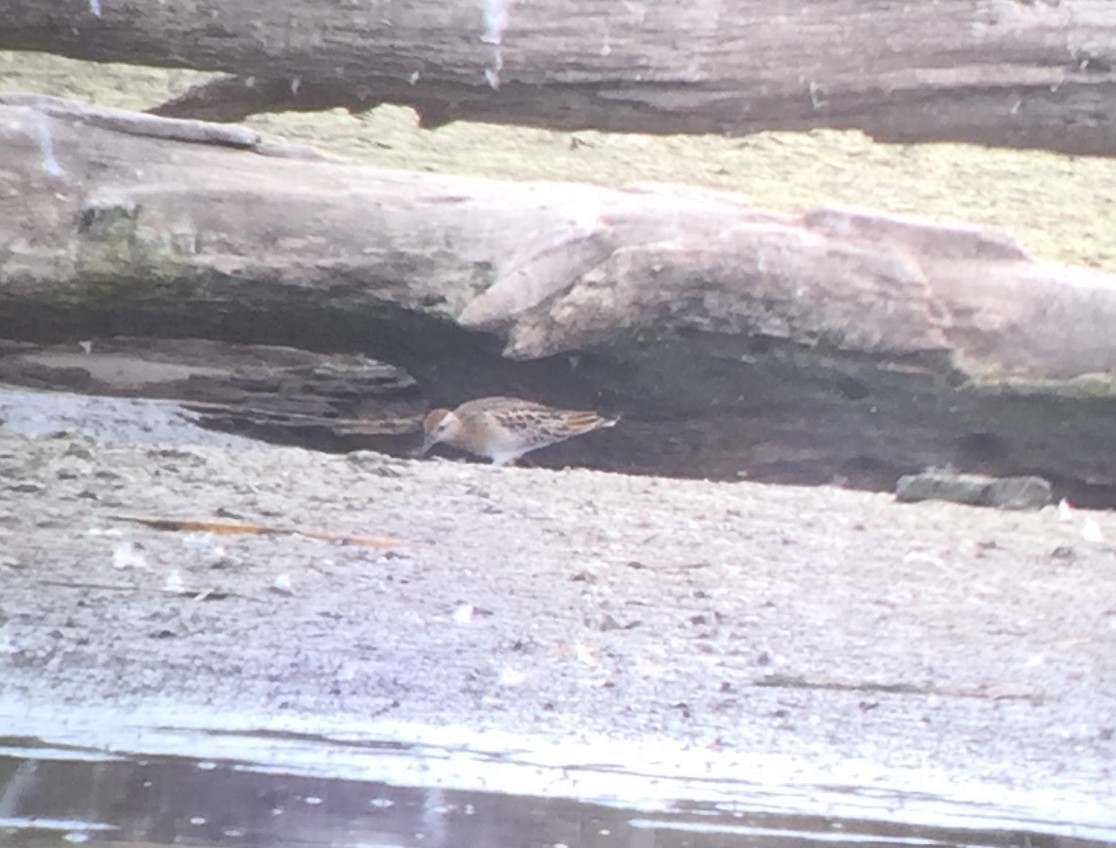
x: 987, y: 691
x: 232, y: 528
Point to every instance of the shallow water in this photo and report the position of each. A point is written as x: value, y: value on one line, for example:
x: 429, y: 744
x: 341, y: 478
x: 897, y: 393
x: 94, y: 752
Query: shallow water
x: 232, y: 788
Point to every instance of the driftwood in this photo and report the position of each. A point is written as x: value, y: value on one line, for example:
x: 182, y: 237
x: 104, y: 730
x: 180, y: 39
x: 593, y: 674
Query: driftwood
x: 1018, y: 73
x: 259, y: 391
x: 739, y: 341
x: 117, y: 218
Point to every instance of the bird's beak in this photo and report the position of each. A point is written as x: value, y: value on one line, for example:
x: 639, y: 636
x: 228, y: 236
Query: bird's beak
x: 427, y: 444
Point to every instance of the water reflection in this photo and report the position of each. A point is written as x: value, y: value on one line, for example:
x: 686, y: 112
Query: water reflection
x: 54, y: 796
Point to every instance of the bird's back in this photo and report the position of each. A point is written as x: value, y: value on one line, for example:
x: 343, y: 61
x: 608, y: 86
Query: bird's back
x: 496, y: 405
x: 527, y: 422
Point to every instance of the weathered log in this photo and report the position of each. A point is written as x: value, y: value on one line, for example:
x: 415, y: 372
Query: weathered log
x: 145, y: 219
x: 739, y: 341
x: 1018, y: 74
x: 263, y: 392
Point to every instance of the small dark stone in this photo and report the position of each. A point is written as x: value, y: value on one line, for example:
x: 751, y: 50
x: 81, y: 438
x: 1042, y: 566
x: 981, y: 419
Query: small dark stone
x: 608, y: 623
x: 79, y: 450
x: 27, y: 488
x: 975, y: 490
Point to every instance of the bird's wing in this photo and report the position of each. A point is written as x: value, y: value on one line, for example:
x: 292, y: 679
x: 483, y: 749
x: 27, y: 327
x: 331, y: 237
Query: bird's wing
x: 498, y: 406
x: 543, y: 424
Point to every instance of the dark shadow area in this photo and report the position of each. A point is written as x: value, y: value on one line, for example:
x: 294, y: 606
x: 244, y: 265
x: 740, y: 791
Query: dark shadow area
x: 694, y: 405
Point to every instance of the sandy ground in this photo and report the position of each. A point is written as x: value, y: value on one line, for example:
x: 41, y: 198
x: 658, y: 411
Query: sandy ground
x: 819, y: 624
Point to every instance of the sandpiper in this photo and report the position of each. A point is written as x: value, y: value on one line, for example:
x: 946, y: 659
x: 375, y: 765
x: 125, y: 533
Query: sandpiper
x: 503, y: 428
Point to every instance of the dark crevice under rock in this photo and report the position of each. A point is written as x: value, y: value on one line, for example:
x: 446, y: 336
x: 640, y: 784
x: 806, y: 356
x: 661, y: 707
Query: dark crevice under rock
x: 698, y: 406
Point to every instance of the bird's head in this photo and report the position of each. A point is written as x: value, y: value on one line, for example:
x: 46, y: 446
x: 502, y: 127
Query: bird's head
x: 440, y: 425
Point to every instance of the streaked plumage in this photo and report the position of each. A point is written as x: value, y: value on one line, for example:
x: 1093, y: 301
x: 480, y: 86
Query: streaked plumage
x: 503, y: 428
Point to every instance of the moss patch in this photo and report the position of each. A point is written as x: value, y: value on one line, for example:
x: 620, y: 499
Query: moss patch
x: 1059, y: 207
